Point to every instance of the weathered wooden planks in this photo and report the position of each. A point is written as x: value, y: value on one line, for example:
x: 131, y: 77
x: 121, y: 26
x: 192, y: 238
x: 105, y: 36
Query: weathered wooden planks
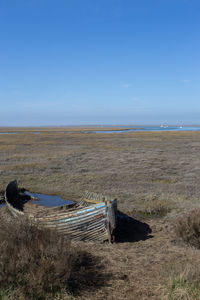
x: 93, y: 218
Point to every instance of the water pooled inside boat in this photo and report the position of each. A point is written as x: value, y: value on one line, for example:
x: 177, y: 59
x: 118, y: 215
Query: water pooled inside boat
x: 48, y: 200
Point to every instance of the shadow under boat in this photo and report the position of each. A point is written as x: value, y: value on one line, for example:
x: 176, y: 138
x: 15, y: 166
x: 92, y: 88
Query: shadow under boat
x: 131, y: 230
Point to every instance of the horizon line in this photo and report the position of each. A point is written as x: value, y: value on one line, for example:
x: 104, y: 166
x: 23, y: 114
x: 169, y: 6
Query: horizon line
x: 100, y: 125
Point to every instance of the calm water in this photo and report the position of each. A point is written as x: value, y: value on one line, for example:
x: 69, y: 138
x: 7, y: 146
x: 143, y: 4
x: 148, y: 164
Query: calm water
x: 149, y: 128
x: 49, y: 200
x: 15, y: 132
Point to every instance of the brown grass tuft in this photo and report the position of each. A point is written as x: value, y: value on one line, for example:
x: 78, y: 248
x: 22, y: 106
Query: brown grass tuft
x: 187, y: 228
x: 156, y: 206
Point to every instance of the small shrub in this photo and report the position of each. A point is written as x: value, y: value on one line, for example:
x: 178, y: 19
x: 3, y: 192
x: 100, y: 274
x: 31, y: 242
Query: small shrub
x: 156, y: 208
x: 187, y: 228
x: 34, y: 263
x: 38, y: 264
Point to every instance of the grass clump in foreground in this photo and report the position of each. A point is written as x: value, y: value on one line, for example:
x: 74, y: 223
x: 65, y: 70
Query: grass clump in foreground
x: 37, y: 263
x: 187, y: 228
x: 185, y: 285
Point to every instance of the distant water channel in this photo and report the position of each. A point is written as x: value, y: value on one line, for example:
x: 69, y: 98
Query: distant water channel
x: 122, y: 129
x: 48, y: 200
x: 147, y: 128
x: 17, y: 132
x: 11, y: 132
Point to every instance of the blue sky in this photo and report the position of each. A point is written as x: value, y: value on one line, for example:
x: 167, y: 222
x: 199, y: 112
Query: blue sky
x: 82, y: 62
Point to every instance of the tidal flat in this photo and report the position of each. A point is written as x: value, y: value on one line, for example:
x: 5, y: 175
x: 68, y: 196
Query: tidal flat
x: 155, y: 177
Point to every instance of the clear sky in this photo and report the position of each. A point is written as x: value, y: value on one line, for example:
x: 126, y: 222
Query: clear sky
x: 82, y: 62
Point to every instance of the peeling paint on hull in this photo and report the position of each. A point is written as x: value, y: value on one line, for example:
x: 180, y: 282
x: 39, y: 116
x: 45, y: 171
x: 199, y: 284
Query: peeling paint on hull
x: 92, y: 219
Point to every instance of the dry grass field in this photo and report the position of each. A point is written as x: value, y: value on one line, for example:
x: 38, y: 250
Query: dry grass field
x: 155, y: 177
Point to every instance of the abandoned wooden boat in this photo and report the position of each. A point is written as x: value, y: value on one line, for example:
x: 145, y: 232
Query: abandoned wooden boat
x: 93, y: 218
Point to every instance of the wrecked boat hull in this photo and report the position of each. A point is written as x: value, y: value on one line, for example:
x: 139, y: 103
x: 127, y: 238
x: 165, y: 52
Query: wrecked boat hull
x: 92, y: 219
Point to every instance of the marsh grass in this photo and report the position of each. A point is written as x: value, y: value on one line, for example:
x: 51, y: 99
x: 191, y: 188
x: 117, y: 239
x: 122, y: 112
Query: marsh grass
x: 165, y: 180
x: 155, y: 206
x: 185, y: 285
x: 152, y: 174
